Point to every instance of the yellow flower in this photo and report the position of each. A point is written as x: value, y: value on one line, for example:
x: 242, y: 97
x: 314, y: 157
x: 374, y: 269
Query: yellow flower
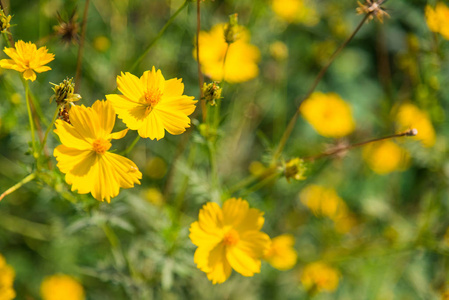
x: 281, y: 254
x: 319, y: 277
x: 27, y: 59
x: 58, y: 287
x: 323, y: 201
x: 411, y: 117
x: 328, y: 114
x: 154, y: 196
x: 296, y: 11
x: 386, y: 157
x: 84, y: 157
x: 438, y: 19
x: 228, y: 238
x: 7, y: 275
x: 241, y: 57
x: 152, y: 104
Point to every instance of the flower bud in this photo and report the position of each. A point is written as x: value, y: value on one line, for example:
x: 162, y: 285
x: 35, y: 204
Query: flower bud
x: 211, y: 92
x: 232, y: 29
x: 295, y: 168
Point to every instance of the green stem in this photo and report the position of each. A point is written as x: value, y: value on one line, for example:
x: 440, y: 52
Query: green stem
x: 261, y: 183
x: 26, y: 228
x: 81, y: 47
x: 161, y: 32
x: 18, y: 185
x: 200, y: 73
x: 44, y: 141
x: 130, y: 147
x: 30, y: 119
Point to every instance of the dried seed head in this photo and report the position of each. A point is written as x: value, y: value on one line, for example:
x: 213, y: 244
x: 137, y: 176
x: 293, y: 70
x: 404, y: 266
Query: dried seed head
x: 68, y: 30
x: 373, y: 9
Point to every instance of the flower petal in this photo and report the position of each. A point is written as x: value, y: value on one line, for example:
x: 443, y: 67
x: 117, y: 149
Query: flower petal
x: 70, y: 137
x: 133, y: 114
x: 202, y: 238
x: 152, y: 127
x: 29, y: 75
x: 242, y: 262
x: 106, y: 117
x: 219, y: 267
x: 131, y: 87
x: 153, y: 80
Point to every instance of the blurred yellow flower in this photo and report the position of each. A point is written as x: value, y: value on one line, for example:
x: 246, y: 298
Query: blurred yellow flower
x: 84, y: 157
x: 295, y: 168
x: 386, y: 157
x: 229, y: 238
x: 156, y: 168
x: 410, y: 116
x: 281, y: 254
x: 58, y: 287
x: 296, y: 11
x: 241, y: 57
x: 323, y: 201
x: 101, y: 43
x: 154, y: 196
x: 152, y: 104
x: 279, y: 51
x: 438, y: 19
x: 328, y: 114
x: 27, y: 59
x: 318, y: 277
x: 7, y: 275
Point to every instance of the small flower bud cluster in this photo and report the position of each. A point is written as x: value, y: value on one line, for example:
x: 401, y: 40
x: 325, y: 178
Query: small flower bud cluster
x: 211, y: 92
x: 232, y: 29
x: 295, y: 168
x: 64, y: 97
x: 4, y: 21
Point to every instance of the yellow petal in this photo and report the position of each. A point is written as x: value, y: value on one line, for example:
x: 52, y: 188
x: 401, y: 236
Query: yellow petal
x: 174, y: 122
x: 152, y: 127
x: 153, y: 80
x: 118, y: 135
x: 131, y: 87
x: 29, y: 75
x: 211, y: 218
x: 255, y: 243
x: 133, y: 114
x: 202, y: 238
x: 220, y: 270
x: 85, y: 122
x: 234, y: 211
x: 173, y: 88
x: 106, y: 117
x: 124, y: 170
x: 70, y: 159
x: 242, y: 262
x: 42, y: 69
x: 70, y: 137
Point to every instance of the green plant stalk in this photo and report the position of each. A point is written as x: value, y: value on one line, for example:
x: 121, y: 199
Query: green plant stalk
x: 26, y: 228
x: 130, y: 147
x: 262, y: 183
x: 81, y: 47
x: 44, y: 141
x: 30, y: 119
x: 18, y: 185
x: 318, y: 78
x: 147, y: 49
x: 185, y: 183
x: 200, y: 73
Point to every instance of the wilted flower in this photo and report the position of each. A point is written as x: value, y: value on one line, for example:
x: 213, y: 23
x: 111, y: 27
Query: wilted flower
x: 386, y: 157
x: 228, y: 238
x: 84, y: 157
x: 318, y: 277
x: 7, y: 275
x: 27, y: 59
x: 410, y: 116
x: 328, y: 114
x: 67, y: 30
x: 241, y: 57
x: 281, y: 254
x: 152, y: 104
x: 438, y: 19
x: 58, y: 287
x: 296, y: 11
x: 373, y: 8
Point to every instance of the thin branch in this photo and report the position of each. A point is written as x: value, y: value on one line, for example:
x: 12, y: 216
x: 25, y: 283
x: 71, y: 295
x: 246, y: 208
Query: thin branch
x: 200, y: 73
x: 81, y: 47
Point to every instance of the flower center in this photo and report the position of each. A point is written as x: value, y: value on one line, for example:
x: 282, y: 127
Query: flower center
x: 152, y: 98
x: 101, y: 146
x: 231, y: 237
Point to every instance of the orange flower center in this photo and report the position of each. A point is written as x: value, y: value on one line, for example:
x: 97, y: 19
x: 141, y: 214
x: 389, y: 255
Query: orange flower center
x: 231, y: 237
x: 152, y: 98
x: 101, y: 146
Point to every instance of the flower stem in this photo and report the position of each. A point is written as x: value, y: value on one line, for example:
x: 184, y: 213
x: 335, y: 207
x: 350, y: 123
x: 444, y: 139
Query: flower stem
x: 136, y: 63
x: 81, y: 47
x: 130, y: 147
x: 318, y: 78
x: 18, y: 185
x: 410, y: 132
x: 44, y: 141
x: 200, y: 74
x: 30, y: 118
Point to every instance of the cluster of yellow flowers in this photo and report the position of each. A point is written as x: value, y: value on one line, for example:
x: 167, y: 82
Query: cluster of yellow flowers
x: 57, y: 287
x: 6, y: 280
x: 296, y: 11
x: 325, y: 202
x: 318, y: 276
x: 438, y: 19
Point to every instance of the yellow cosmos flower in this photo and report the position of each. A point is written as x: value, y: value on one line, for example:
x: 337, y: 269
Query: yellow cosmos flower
x: 410, y: 116
x: 61, y: 286
x: 84, y: 157
x: 241, y: 57
x: 27, y: 59
x: 319, y: 277
x: 328, y: 114
x: 438, y: 19
x: 386, y: 157
x: 296, y: 11
x: 152, y: 104
x: 7, y: 275
x: 229, y: 238
x: 281, y: 254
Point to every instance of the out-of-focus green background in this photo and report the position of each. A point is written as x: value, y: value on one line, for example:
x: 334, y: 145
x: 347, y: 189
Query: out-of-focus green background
x: 137, y: 247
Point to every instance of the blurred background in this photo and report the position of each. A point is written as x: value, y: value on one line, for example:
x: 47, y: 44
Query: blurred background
x: 389, y: 239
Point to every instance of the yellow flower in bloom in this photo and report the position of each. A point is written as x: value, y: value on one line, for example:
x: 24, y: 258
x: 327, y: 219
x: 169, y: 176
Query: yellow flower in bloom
x: 152, y: 104
x: 241, y: 57
x: 84, y: 157
x: 7, y: 275
x: 386, y: 157
x: 411, y: 117
x: 27, y: 59
x: 281, y: 254
x: 296, y: 11
x: 319, y: 277
x: 328, y: 114
x: 58, y: 287
x: 229, y: 238
x: 438, y: 19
